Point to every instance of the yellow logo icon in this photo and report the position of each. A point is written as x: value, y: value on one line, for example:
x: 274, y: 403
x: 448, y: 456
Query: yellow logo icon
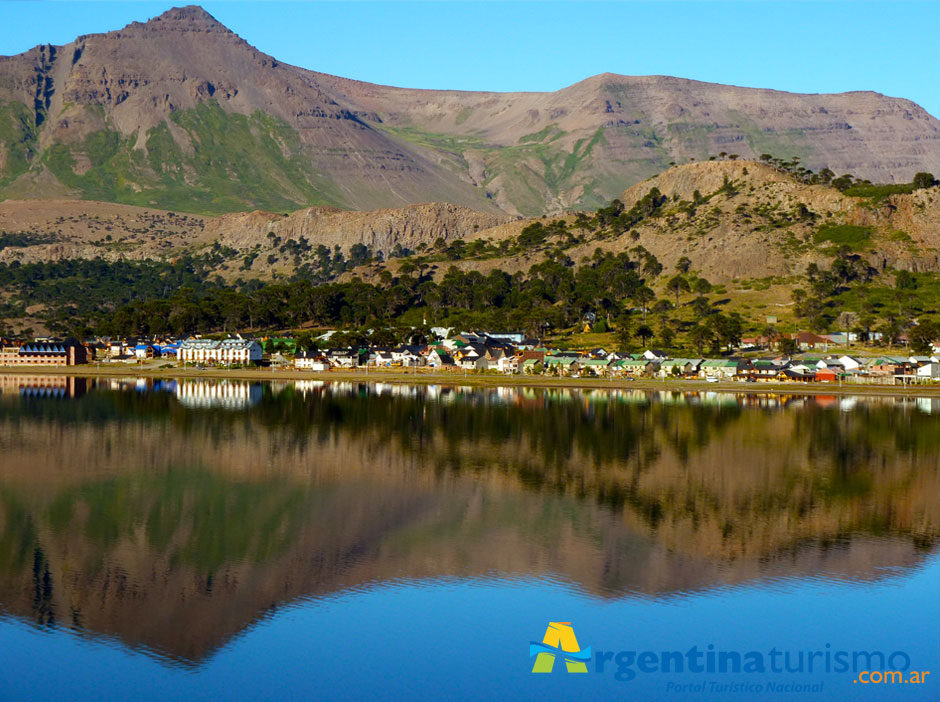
x: 559, y: 639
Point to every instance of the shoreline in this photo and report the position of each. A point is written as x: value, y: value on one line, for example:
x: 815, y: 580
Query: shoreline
x: 476, y: 380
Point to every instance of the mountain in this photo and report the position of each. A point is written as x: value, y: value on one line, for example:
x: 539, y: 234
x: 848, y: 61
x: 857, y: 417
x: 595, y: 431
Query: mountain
x: 180, y: 113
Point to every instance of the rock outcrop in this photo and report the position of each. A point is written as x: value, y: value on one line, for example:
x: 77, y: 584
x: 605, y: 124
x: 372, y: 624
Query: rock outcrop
x: 382, y: 230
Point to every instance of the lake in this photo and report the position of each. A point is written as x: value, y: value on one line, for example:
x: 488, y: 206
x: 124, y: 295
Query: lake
x: 192, y: 539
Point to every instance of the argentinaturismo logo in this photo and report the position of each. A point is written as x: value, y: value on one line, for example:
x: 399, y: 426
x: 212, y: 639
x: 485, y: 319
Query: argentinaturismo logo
x: 559, y: 640
x: 859, y: 666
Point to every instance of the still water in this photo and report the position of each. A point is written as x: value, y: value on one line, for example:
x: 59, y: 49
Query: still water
x: 306, y: 540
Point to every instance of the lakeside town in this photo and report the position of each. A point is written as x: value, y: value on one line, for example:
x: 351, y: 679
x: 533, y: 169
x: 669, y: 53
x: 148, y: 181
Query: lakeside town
x: 821, y: 358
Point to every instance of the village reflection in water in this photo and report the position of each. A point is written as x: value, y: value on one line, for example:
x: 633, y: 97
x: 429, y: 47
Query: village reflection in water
x: 172, y: 515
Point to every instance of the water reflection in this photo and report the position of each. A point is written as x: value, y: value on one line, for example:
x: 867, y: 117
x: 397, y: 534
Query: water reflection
x: 135, y: 508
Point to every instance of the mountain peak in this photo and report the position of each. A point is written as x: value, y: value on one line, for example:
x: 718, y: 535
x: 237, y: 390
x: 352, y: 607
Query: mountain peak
x: 190, y: 17
x: 188, y: 12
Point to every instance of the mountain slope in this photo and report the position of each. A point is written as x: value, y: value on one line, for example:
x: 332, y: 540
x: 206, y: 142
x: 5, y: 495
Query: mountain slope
x: 583, y: 144
x: 181, y: 113
x: 732, y: 219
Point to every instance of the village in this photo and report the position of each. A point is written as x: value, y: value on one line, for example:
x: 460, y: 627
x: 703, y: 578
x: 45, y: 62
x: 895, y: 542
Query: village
x: 822, y: 359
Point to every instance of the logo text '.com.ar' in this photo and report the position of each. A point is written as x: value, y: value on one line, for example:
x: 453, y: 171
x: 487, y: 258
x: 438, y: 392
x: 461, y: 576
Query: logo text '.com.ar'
x: 559, y: 640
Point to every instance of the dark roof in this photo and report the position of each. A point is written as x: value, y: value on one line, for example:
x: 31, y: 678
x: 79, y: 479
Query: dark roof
x: 796, y: 375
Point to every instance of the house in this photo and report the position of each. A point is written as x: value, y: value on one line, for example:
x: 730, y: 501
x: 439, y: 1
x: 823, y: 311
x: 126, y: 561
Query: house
x: 96, y: 349
x: 724, y: 369
x: 634, y: 367
x: 595, y: 366
x: 655, y: 355
x: 381, y: 357
x: 764, y: 369
x: 408, y: 356
x: 225, y: 352
x: 347, y: 358
x: 887, y: 366
x: 755, y: 342
x: 439, y: 358
x: 471, y: 357
x: 827, y: 375
x: 167, y: 349
x: 537, y: 353
x: 678, y: 367
x: 311, y: 360
x: 509, y: 364
x: 9, y: 354
x: 929, y: 371
x: 531, y: 366
x: 563, y: 365
x: 278, y: 359
x: 793, y: 375
x: 145, y: 351
x: 850, y: 363
x: 495, y: 353
x: 473, y: 361
x: 807, y: 340
x: 45, y: 353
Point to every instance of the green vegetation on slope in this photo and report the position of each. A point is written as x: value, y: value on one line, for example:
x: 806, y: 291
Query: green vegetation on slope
x: 533, y: 172
x: 18, y: 136
x: 231, y: 163
x: 854, y: 237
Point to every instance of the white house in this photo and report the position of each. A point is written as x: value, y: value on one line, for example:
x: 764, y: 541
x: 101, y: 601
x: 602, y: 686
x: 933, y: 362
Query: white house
x: 381, y: 358
x: 507, y: 364
x: 654, y: 355
x: 850, y: 363
x: 438, y: 358
x: 929, y: 371
x: 407, y: 357
x: 145, y: 351
x: 346, y: 358
x: 310, y: 360
x: 226, y: 351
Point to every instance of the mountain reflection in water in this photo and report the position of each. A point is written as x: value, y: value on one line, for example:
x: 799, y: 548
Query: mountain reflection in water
x: 171, y: 515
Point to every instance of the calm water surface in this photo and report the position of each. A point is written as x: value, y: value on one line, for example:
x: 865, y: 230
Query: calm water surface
x: 235, y: 540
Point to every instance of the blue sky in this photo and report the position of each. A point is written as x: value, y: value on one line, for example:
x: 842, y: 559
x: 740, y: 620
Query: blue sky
x: 819, y: 46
